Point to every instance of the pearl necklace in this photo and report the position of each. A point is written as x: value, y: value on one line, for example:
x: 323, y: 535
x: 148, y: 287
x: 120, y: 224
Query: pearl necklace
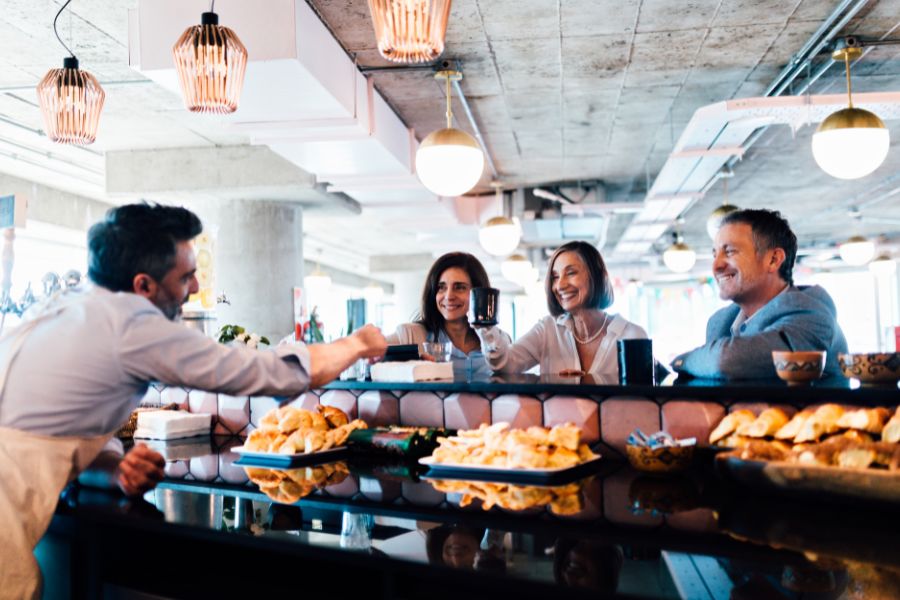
x: 596, y: 335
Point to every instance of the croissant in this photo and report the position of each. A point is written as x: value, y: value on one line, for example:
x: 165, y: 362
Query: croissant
x: 822, y: 422
x: 790, y: 431
x: 891, y: 431
x: 730, y: 423
x: 864, y: 419
x: 334, y: 416
x: 767, y: 423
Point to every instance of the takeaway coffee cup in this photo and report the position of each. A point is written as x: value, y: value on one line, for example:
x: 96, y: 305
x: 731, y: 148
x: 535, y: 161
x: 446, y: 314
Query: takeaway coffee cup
x: 635, y: 362
x: 483, y: 306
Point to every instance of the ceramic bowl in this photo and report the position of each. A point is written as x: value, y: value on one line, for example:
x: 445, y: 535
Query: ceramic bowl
x: 878, y: 368
x: 668, y: 459
x: 799, y: 367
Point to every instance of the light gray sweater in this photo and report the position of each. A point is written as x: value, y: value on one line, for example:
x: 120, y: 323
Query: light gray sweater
x: 807, y: 317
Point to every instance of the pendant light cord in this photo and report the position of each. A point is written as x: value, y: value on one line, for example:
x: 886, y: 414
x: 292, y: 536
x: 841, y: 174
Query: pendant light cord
x: 847, y: 65
x: 449, y: 111
x: 72, y: 54
x: 212, y: 6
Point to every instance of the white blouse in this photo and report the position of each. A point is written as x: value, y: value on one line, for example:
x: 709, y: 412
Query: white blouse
x: 551, y: 344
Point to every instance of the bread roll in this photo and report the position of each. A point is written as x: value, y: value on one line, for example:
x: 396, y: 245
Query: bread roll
x: 790, y: 431
x: 730, y: 423
x: 864, y: 419
x: 767, y: 423
x: 822, y: 422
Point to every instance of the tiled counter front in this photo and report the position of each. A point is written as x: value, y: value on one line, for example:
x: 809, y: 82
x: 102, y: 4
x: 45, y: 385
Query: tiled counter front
x: 605, y: 413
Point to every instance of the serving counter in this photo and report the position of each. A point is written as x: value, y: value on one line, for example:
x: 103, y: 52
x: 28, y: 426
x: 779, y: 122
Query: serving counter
x: 605, y: 411
x: 370, y: 528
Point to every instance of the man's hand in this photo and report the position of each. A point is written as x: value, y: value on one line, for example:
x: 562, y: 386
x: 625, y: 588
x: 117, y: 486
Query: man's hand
x: 140, y: 470
x: 371, y: 342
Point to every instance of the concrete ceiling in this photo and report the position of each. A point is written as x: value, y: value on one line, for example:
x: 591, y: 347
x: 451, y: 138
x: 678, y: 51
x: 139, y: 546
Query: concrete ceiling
x: 562, y: 90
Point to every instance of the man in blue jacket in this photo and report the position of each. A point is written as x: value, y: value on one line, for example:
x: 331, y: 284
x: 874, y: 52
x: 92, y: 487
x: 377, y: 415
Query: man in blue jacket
x: 753, y: 262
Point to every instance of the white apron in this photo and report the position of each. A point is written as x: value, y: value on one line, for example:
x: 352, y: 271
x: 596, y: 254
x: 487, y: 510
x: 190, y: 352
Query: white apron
x: 34, y: 469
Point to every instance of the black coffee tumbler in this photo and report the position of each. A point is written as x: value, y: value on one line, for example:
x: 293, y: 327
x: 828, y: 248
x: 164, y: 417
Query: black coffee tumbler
x: 483, y: 306
x: 636, y: 362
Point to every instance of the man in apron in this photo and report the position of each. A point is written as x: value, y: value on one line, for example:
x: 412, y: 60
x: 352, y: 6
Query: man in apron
x: 72, y: 373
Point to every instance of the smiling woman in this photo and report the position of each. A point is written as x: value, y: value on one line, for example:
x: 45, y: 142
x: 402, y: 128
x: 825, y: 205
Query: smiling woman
x: 443, y: 316
x: 579, y: 336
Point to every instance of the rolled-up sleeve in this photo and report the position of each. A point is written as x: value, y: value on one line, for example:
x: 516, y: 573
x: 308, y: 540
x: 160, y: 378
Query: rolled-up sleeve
x: 153, y: 348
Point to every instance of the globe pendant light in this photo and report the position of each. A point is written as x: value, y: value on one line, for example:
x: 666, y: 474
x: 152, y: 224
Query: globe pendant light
x: 410, y: 31
x: 852, y: 142
x: 318, y: 282
x: 714, y: 221
x: 210, y: 60
x: 883, y: 266
x: 373, y: 293
x: 70, y: 99
x: 517, y: 269
x: 679, y: 257
x: 449, y: 161
x: 857, y: 251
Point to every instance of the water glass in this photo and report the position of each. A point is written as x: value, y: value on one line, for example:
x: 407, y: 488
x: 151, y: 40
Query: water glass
x: 439, y: 351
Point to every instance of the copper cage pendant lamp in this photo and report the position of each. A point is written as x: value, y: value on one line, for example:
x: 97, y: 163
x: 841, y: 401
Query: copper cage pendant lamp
x: 210, y: 60
x: 410, y: 31
x: 70, y: 99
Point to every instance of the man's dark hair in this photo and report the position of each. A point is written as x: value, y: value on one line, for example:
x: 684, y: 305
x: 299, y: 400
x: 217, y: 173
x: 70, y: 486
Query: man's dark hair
x: 770, y: 231
x: 137, y: 238
x: 600, y: 294
x: 429, y: 315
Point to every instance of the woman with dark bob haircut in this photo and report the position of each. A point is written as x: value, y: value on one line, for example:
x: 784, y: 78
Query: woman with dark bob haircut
x: 579, y: 336
x: 443, y: 316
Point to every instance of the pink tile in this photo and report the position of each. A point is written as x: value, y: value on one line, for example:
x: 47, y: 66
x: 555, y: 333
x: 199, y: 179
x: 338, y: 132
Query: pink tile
x: 378, y: 408
x: 583, y: 412
x: 229, y: 471
x: 421, y: 493
x: 259, y: 406
x: 203, y: 402
x: 421, y: 409
x: 175, y: 394
x: 177, y: 469
x: 345, y: 489
x: 379, y: 490
x: 617, y: 505
x: 620, y: 416
x: 517, y: 410
x: 151, y: 398
x: 205, y: 468
x: 341, y: 399
x: 699, y: 519
x: 466, y: 411
x: 234, y: 413
x: 307, y: 401
x: 687, y: 418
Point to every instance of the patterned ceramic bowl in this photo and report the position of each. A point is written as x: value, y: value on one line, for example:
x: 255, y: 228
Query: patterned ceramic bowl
x: 799, y: 367
x: 881, y: 368
x: 667, y: 459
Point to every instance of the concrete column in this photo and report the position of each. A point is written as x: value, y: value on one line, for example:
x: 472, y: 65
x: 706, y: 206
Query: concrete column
x: 259, y: 260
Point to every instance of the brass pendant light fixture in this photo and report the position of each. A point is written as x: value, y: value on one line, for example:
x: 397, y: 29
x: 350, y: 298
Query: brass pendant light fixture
x: 714, y: 221
x: 410, y: 31
x: 449, y: 161
x: 70, y: 99
x: 210, y: 60
x: 852, y: 142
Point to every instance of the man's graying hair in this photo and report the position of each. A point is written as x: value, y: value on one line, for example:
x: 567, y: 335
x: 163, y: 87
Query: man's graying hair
x: 137, y: 238
x: 770, y: 231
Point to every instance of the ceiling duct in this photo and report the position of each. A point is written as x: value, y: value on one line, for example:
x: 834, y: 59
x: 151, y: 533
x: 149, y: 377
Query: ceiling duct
x: 303, y: 95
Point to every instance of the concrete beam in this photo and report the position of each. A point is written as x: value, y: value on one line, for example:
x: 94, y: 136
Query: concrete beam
x: 53, y: 206
x: 202, y: 169
x: 386, y: 263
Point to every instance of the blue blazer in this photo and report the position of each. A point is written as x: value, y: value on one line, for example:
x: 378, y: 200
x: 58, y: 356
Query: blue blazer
x: 807, y: 317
